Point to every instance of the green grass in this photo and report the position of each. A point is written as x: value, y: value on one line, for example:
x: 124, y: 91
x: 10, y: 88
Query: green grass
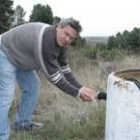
x: 84, y: 124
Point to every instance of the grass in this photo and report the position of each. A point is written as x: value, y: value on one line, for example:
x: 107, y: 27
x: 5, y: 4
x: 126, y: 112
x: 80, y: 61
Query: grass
x: 68, y: 118
x: 63, y: 126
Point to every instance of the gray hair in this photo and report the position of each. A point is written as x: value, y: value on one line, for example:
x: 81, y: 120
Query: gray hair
x: 75, y: 24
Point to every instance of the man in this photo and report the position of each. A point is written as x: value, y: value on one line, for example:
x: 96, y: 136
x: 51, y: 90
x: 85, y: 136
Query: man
x: 30, y: 47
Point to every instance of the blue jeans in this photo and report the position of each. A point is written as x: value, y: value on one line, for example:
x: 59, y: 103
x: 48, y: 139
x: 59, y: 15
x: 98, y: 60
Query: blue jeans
x: 30, y: 85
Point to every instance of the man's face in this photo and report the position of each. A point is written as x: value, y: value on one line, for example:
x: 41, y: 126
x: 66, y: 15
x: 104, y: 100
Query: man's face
x: 66, y: 35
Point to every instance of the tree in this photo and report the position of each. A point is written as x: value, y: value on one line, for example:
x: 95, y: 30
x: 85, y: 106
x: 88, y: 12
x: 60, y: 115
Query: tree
x: 134, y: 39
x: 126, y: 40
x: 42, y: 13
x: 79, y: 42
x: 112, y: 42
x: 56, y: 20
x: 18, y: 16
x: 6, y: 13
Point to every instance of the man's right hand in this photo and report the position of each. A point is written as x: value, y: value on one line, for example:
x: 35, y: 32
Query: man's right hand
x: 86, y: 94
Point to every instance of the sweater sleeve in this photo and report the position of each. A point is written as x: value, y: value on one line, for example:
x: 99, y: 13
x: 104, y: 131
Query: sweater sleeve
x: 65, y: 68
x: 57, y: 76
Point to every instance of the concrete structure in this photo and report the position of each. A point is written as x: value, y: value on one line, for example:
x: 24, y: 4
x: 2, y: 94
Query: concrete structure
x: 123, y: 106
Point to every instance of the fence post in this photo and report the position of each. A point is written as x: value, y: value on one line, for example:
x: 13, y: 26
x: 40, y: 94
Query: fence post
x: 123, y: 107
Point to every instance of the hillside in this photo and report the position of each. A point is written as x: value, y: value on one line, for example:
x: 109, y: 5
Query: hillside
x: 93, y: 40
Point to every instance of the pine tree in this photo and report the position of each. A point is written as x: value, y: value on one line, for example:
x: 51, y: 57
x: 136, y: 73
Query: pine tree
x: 6, y: 13
x: 18, y: 16
x: 42, y: 13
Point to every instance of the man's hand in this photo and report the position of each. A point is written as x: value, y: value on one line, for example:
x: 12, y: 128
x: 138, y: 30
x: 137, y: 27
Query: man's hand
x: 86, y: 94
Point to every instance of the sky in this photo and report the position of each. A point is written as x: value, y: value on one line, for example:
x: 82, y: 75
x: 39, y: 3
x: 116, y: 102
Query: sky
x: 97, y: 17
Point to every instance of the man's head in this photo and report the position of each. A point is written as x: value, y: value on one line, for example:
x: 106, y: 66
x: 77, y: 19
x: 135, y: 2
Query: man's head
x: 67, y: 31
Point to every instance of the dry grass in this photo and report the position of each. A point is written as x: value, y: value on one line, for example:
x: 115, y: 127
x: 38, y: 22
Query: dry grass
x: 68, y: 118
